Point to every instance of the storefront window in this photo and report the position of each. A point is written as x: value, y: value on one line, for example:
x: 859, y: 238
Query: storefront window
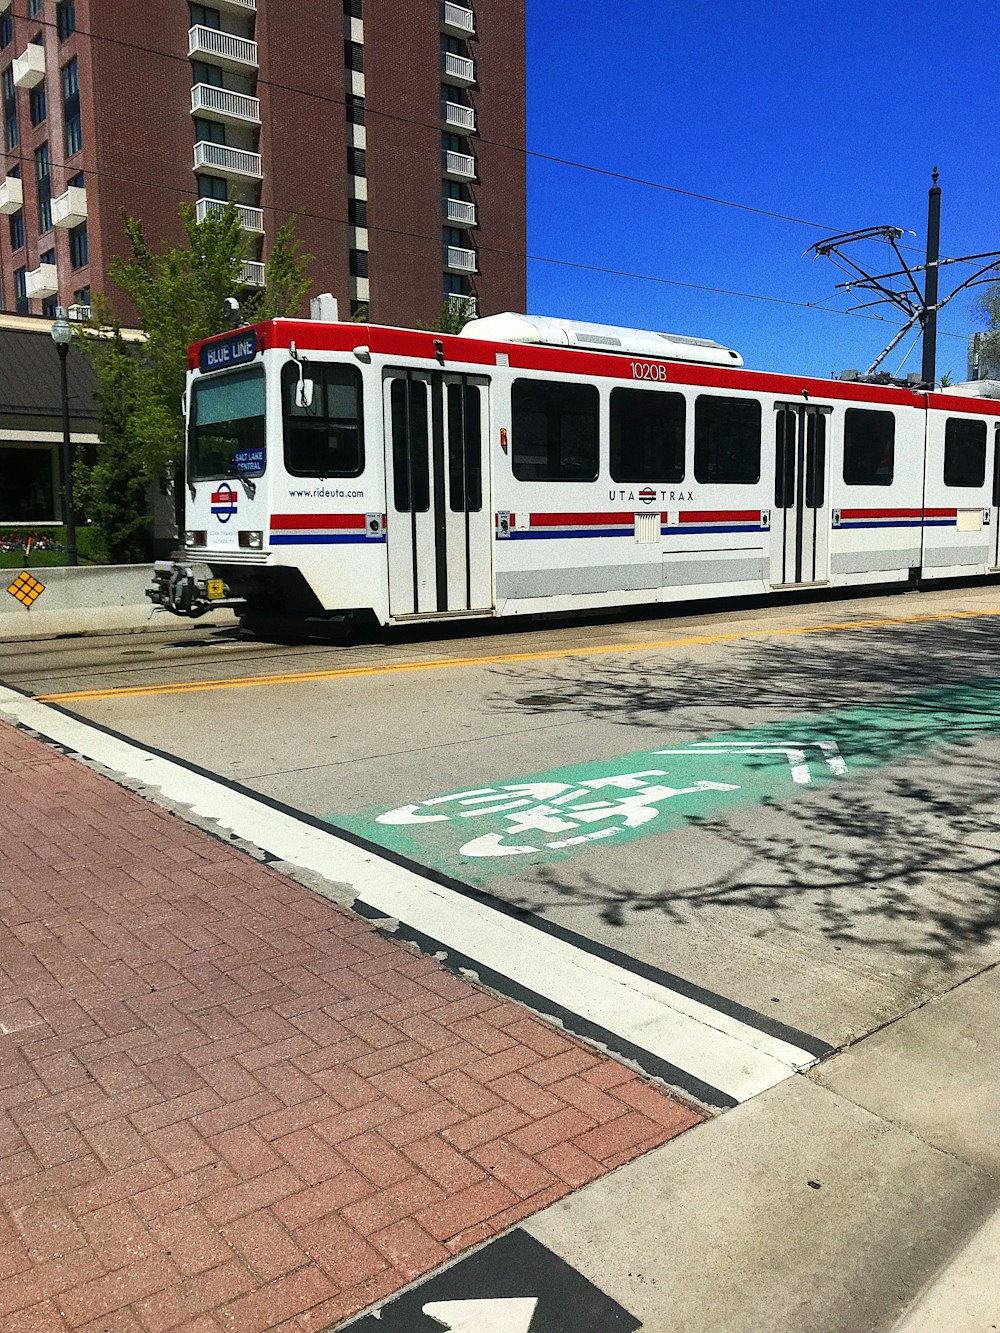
x: 27, y: 490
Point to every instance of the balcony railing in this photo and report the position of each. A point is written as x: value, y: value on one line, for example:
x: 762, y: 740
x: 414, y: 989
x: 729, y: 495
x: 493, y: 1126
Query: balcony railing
x: 207, y: 100
x: 227, y: 161
x: 463, y: 305
x: 457, y: 17
x: 237, y: 6
x: 69, y: 209
x: 253, y: 273
x: 4, y: 6
x: 457, y: 69
x: 460, y: 165
x: 28, y: 70
x: 251, y: 219
x: 225, y: 48
x: 11, y: 194
x: 42, y: 282
x: 462, y: 117
x: 458, y: 258
x: 461, y: 211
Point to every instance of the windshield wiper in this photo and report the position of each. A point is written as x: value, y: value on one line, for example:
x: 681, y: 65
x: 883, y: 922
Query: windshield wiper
x: 249, y: 486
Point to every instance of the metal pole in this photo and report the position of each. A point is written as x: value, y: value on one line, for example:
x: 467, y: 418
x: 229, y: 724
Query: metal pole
x: 69, y: 515
x: 928, y: 370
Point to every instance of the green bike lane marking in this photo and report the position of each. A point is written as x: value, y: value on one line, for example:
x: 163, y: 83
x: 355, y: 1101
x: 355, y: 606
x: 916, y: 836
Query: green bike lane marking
x: 478, y: 832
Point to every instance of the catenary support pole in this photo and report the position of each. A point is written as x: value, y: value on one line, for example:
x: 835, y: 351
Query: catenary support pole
x: 928, y: 370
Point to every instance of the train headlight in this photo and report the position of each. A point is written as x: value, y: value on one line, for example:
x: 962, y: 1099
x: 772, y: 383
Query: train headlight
x: 252, y: 541
x: 196, y: 538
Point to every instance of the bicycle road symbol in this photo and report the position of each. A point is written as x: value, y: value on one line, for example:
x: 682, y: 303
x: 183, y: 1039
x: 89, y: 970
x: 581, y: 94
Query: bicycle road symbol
x: 586, y: 811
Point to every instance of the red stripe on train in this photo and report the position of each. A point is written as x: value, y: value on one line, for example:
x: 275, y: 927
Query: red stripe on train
x: 898, y: 513
x: 720, y: 516
x: 299, y: 522
x: 581, y: 520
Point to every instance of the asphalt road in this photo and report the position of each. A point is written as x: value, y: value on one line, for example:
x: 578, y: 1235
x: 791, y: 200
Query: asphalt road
x: 791, y: 805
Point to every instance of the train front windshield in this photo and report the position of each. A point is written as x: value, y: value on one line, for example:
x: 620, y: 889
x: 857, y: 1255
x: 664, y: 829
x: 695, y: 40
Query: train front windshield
x: 226, y: 430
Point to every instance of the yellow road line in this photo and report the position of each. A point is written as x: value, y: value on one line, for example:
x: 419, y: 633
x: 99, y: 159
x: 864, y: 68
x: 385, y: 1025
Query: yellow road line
x: 444, y: 663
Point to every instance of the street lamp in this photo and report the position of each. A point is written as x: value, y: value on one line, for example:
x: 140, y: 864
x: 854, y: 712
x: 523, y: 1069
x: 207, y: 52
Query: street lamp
x: 62, y: 336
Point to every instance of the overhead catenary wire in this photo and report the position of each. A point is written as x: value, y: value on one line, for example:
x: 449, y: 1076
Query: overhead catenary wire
x: 526, y: 152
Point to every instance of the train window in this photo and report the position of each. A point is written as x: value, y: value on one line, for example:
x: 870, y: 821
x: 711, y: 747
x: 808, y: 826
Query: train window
x: 465, y: 449
x: 410, y: 460
x: 554, y: 430
x: 227, y: 425
x: 647, y: 435
x: 964, y: 452
x: 325, y: 439
x: 869, y: 447
x: 815, y: 478
x: 727, y: 440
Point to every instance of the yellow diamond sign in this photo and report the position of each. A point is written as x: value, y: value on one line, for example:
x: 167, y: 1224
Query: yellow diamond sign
x: 26, y: 589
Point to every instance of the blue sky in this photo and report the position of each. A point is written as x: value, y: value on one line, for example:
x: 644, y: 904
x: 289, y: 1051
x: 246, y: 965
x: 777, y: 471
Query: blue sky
x: 833, y: 113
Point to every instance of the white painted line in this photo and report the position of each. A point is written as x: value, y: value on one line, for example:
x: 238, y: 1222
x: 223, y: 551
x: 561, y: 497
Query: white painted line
x: 714, y: 1047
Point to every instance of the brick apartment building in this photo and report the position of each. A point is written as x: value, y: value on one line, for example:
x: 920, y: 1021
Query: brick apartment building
x: 395, y: 129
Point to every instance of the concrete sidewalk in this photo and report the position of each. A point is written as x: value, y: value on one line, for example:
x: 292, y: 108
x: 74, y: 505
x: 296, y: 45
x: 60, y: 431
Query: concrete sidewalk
x: 228, y: 1105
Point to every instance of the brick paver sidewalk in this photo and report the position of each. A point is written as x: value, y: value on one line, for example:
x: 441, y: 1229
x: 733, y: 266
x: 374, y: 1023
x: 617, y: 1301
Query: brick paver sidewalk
x: 228, y: 1105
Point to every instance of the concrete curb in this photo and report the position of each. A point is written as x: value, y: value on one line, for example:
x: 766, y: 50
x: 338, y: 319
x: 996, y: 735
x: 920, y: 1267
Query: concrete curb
x: 965, y: 1296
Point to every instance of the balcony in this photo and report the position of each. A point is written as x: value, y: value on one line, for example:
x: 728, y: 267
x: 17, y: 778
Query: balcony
x: 241, y: 7
x: 28, y: 70
x: 251, y: 219
x: 457, y: 19
x: 11, y: 194
x: 235, y: 162
x: 460, y: 260
x: 4, y: 6
x: 221, y: 104
x: 222, y: 48
x: 458, y: 166
x: 463, y: 305
x: 70, y: 208
x: 461, y: 117
x: 461, y: 211
x: 253, y: 273
x: 41, y: 283
x: 459, y: 70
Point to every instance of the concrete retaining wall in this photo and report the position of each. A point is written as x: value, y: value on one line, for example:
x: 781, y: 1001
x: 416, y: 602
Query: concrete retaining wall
x: 91, y: 599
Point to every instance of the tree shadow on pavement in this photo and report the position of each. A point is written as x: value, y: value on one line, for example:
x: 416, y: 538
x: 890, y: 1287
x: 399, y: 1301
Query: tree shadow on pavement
x: 903, y: 853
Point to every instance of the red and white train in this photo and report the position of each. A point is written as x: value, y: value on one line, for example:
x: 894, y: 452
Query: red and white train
x: 533, y: 465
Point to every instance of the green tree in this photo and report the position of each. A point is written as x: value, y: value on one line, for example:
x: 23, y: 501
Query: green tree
x: 178, y: 294
x: 989, y: 305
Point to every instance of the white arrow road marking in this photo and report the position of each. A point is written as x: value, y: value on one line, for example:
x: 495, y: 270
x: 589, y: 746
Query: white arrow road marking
x: 510, y: 1316
x: 710, y: 1045
x: 794, y: 752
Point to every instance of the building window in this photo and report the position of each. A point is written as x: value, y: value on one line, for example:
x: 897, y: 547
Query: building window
x: 212, y: 187
x: 354, y: 56
x: 71, y: 107
x: 355, y: 109
x: 21, y: 291
x: 352, y: 9
x: 357, y: 212
x: 727, y: 440
x: 869, y: 445
x: 27, y: 494
x: 44, y: 186
x: 77, y: 182
x: 554, y: 431
x: 34, y: 8
x: 12, y: 137
x: 16, y: 231
x: 647, y: 435
x: 209, y: 131
x: 355, y: 161
x: 210, y: 74
x: 65, y: 19
x: 964, y: 452
x: 202, y: 16
x: 79, y: 246
x: 82, y: 297
x: 37, y: 104
x: 6, y: 30
x: 359, y: 263
x: 50, y: 307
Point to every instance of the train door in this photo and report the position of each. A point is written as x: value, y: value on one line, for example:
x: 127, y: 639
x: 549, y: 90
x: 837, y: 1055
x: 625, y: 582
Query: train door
x: 800, y: 526
x: 994, y: 558
x: 438, y: 505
